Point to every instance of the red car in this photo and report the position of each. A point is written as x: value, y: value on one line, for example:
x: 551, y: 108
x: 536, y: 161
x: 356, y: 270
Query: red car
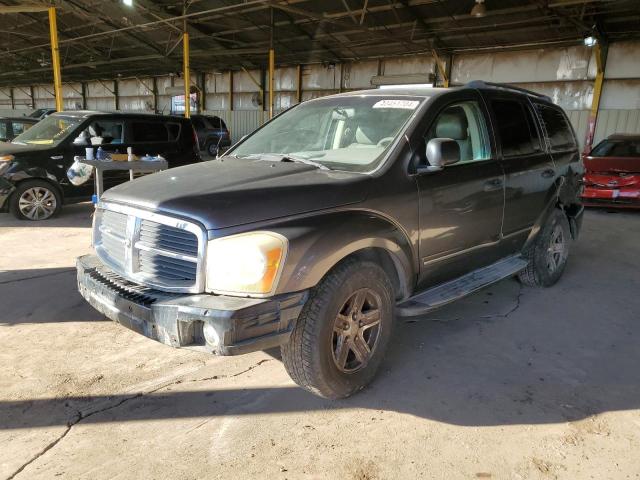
x: 612, y: 173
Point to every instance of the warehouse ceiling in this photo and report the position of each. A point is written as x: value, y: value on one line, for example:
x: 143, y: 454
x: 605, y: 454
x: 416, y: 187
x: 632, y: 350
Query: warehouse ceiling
x: 101, y: 39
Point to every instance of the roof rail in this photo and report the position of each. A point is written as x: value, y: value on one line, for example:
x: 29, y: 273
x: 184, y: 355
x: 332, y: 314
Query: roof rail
x: 483, y: 84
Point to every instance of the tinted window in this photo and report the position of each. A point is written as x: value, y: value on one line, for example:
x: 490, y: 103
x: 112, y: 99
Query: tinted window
x: 617, y: 148
x: 101, y: 132
x: 149, y: 132
x: 556, y: 127
x: 174, y: 130
x: 516, y: 128
x: 3, y: 130
x: 19, y: 127
x: 215, y: 122
x: 464, y: 123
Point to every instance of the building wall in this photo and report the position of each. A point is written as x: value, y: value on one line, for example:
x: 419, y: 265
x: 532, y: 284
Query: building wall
x: 564, y: 74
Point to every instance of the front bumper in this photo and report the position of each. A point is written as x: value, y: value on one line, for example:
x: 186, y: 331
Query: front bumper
x: 6, y: 189
x: 611, y: 197
x: 241, y: 325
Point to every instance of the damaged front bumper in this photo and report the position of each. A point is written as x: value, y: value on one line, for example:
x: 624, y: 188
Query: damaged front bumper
x: 216, y: 324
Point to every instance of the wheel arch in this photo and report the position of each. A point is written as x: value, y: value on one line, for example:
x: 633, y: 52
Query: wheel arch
x: 319, y: 243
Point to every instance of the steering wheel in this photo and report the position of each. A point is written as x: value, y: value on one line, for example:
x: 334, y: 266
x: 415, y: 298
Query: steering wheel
x: 384, y: 142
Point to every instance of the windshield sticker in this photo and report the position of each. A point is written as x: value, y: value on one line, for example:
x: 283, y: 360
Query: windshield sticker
x: 406, y: 104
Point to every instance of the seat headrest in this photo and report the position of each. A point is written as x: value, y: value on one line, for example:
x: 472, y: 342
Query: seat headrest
x: 368, y: 133
x: 452, y: 123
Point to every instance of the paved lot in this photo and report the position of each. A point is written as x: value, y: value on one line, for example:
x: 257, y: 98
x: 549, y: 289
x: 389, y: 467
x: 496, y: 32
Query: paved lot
x: 510, y: 383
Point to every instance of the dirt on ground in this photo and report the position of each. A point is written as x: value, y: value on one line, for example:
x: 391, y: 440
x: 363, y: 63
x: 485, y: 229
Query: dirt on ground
x: 510, y: 383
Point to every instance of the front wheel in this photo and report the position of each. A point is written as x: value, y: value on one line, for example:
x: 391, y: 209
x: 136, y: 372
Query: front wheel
x: 35, y: 200
x: 212, y: 148
x: 343, y: 331
x: 548, y: 255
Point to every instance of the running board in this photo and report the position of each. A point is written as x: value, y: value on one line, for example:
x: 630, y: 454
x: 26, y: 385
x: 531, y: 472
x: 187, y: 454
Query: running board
x: 450, y: 291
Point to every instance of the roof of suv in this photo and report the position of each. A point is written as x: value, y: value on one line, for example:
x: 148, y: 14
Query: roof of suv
x: 91, y: 113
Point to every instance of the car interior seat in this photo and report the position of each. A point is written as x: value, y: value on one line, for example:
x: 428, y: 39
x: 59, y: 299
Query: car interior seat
x: 452, y: 123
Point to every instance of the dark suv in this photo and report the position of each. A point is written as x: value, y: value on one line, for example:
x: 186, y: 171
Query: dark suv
x: 316, y: 230
x: 33, y: 168
x: 213, y: 134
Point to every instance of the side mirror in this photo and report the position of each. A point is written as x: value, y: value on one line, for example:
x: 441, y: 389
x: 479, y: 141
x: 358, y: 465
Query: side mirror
x: 440, y: 153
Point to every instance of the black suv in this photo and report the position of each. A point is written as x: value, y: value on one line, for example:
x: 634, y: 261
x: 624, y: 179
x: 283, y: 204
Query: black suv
x: 11, y: 127
x: 33, y: 168
x: 316, y: 230
x: 213, y: 134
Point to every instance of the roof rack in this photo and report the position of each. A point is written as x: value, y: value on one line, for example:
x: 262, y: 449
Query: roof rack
x: 483, y: 84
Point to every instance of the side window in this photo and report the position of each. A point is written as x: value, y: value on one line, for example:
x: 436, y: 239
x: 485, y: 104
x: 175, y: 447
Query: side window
x: 3, y: 130
x: 174, y: 130
x: 19, y: 127
x: 464, y: 123
x: 198, y: 123
x: 516, y: 128
x: 556, y: 127
x: 101, y: 132
x: 215, y: 122
x: 149, y: 132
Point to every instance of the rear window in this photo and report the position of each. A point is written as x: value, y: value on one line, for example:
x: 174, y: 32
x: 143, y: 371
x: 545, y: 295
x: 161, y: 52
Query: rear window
x: 149, y: 132
x: 556, y: 127
x: 216, y: 122
x: 617, y: 148
x: 174, y: 130
x: 516, y: 128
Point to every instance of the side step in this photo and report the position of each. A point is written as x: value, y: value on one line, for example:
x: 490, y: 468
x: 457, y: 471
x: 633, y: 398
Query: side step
x: 452, y: 290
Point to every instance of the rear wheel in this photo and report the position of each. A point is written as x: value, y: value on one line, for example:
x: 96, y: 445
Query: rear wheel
x: 343, y: 331
x: 549, y: 253
x: 212, y: 148
x: 35, y: 200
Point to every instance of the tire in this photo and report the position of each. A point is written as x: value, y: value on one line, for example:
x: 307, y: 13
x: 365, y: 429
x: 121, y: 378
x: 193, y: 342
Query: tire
x: 548, y: 254
x: 315, y: 355
x: 35, y: 200
x: 212, y: 148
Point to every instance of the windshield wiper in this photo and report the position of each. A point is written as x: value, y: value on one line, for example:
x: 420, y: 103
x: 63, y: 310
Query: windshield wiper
x: 287, y: 157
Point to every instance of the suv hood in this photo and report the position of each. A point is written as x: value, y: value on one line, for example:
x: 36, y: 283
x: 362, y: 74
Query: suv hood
x: 229, y: 192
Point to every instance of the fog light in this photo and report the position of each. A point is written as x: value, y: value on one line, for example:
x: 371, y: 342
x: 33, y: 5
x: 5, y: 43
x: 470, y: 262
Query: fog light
x: 211, y: 335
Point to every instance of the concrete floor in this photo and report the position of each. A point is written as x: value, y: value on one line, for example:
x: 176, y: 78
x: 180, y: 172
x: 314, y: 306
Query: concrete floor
x: 509, y: 383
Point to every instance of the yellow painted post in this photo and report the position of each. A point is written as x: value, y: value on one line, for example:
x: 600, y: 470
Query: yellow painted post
x: 441, y: 69
x: 272, y: 61
x: 601, y: 60
x: 186, y: 74
x: 55, y: 59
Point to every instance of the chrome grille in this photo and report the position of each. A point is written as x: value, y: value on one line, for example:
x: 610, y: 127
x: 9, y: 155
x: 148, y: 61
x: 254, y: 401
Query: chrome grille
x: 150, y: 249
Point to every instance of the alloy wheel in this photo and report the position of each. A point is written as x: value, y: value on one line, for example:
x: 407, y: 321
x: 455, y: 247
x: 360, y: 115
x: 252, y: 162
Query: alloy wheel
x: 556, y: 252
x: 356, y: 330
x: 37, y: 203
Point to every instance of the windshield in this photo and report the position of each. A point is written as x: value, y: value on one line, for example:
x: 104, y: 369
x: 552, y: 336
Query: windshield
x: 50, y: 131
x: 341, y: 133
x: 617, y: 148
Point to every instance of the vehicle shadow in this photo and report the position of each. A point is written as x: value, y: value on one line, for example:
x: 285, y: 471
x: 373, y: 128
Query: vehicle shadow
x: 76, y: 215
x: 519, y: 365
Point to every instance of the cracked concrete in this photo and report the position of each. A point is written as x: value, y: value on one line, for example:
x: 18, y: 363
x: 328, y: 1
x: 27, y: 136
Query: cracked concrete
x: 511, y: 382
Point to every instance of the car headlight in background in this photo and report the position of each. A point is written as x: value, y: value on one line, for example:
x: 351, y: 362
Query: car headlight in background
x: 248, y: 263
x: 6, y: 158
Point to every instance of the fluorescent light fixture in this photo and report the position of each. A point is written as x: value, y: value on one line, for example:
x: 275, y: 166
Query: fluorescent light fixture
x: 128, y: 3
x: 590, y: 41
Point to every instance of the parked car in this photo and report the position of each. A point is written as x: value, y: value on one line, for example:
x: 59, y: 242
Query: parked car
x: 11, y: 127
x: 40, y: 113
x: 33, y: 168
x: 612, y: 176
x: 315, y: 230
x: 213, y: 134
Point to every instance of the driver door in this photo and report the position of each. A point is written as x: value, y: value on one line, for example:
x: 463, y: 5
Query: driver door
x: 461, y: 206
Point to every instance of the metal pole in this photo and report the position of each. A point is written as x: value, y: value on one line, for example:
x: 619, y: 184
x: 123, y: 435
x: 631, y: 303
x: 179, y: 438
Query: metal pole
x: 272, y: 61
x: 601, y: 61
x: 55, y: 56
x: 186, y: 74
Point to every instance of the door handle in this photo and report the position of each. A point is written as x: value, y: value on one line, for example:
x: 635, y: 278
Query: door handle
x: 57, y: 157
x: 548, y: 173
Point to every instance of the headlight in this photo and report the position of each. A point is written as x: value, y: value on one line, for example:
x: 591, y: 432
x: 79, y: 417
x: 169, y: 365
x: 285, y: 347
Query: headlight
x: 6, y: 158
x: 248, y: 263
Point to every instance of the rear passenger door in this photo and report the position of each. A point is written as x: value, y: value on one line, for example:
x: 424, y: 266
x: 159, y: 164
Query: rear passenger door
x: 156, y: 137
x: 529, y: 169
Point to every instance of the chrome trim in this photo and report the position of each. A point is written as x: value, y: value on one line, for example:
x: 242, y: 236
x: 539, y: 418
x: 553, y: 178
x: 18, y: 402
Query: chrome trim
x: 133, y: 246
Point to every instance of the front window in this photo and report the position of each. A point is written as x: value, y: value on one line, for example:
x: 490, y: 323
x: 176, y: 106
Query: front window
x: 50, y: 131
x: 340, y: 133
